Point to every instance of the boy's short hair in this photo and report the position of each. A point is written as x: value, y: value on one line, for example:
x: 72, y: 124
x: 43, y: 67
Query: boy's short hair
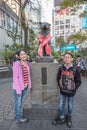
x: 68, y: 54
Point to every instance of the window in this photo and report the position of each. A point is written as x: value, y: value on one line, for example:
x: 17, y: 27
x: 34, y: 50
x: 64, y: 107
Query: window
x: 61, y: 32
x: 67, y: 26
x: 67, y: 31
x: 67, y: 20
x: 11, y: 23
x: 62, y: 27
x: 8, y: 25
x: 55, y: 32
x: 61, y: 22
x: 55, y: 27
x: 2, y: 19
x: 56, y: 22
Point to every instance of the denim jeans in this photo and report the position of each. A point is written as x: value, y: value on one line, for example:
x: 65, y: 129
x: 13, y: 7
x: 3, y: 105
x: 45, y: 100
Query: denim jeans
x: 18, y: 99
x: 62, y: 104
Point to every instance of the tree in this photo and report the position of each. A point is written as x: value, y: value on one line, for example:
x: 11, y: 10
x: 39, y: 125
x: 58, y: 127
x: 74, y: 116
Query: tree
x: 24, y: 20
x: 77, y: 38
x: 74, y: 6
x: 33, y: 46
x: 13, y: 34
x: 60, y: 42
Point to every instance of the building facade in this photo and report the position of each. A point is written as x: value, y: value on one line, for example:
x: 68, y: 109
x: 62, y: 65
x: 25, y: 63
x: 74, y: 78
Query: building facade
x: 8, y: 20
x: 66, y: 25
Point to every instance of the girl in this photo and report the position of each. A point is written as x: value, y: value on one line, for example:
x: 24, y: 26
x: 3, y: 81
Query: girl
x: 21, y: 83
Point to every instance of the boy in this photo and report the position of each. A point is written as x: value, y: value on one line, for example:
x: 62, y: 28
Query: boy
x: 69, y: 80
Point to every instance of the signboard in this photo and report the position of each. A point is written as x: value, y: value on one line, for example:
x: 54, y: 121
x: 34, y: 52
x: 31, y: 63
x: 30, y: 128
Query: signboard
x: 61, y: 12
x: 84, y: 22
x: 69, y: 47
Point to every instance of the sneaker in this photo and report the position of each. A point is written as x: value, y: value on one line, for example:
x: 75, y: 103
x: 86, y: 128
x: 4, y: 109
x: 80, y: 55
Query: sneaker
x: 57, y: 120
x: 68, y: 121
x: 22, y: 120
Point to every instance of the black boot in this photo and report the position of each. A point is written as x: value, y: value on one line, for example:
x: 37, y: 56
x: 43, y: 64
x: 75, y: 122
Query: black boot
x: 57, y: 120
x: 68, y: 121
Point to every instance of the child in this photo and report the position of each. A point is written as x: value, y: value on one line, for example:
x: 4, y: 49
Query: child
x: 69, y: 80
x: 21, y: 84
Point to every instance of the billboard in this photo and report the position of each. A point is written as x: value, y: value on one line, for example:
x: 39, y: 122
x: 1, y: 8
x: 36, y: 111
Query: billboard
x: 84, y: 22
x: 69, y: 47
x: 61, y: 12
x: 84, y: 19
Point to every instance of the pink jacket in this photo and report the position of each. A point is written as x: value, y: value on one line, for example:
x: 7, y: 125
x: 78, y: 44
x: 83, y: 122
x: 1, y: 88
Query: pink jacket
x: 18, y: 79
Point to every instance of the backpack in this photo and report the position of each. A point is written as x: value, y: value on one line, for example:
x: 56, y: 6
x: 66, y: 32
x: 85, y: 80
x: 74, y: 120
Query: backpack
x: 74, y: 68
x: 67, y: 80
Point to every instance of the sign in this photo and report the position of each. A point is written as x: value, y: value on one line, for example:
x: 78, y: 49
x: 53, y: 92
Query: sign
x: 69, y: 47
x: 61, y: 12
x: 84, y: 22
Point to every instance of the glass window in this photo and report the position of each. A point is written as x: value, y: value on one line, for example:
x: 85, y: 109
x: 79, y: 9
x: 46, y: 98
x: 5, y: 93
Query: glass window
x: 67, y: 26
x: 12, y: 23
x: 67, y: 31
x: 8, y: 24
x: 62, y: 27
x: 61, y: 22
x: 55, y: 27
x: 56, y: 22
x: 58, y: 27
x: 2, y: 19
x: 61, y: 32
x: 55, y: 32
x: 15, y: 24
x: 67, y: 20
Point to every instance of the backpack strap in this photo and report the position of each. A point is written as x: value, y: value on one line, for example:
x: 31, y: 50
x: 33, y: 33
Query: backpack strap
x: 74, y: 69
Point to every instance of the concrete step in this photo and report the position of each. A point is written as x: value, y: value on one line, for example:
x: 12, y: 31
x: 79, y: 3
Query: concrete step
x: 5, y: 72
x: 40, y: 112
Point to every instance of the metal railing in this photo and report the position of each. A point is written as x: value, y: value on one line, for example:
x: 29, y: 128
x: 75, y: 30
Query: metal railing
x: 5, y: 63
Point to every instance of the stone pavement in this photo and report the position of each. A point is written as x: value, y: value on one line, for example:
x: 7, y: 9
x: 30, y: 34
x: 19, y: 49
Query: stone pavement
x: 36, y: 122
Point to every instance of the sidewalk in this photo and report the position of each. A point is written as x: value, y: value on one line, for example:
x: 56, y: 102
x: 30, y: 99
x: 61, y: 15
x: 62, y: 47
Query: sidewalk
x: 79, y: 117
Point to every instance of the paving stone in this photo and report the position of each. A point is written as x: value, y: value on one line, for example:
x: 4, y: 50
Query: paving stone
x: 40, y: 119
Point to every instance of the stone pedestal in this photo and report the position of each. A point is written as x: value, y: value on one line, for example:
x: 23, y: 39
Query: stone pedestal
x: 44, y: 59
x: 45, y: 92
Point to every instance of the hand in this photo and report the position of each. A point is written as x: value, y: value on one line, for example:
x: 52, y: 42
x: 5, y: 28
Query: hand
x: 29, y: 89
x: 19, y: 94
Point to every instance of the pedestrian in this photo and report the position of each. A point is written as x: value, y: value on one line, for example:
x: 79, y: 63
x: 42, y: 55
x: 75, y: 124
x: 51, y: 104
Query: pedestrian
x: 81, y: 65
x: 69, y: 80
x: 21, y: 83
x: 16, y: 57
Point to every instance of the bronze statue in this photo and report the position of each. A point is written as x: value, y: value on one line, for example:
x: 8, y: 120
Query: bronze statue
x: 44, y: 40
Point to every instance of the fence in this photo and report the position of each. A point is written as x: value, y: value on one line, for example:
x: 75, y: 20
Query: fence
x: 5, y: 63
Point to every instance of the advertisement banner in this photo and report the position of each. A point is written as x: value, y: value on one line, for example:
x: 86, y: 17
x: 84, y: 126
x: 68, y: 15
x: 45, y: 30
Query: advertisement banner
x: 84, y: 22
x: 69, y: 47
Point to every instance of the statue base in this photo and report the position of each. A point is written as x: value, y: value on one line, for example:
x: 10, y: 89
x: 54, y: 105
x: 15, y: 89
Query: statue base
x: 44, y: 59
x: 43, y: 100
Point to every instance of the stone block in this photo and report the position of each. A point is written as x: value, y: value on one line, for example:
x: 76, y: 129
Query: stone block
x: 44, y: 89
x: 44, y: 93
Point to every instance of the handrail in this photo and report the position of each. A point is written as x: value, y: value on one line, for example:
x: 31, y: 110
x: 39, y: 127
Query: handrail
x: 5, y: 63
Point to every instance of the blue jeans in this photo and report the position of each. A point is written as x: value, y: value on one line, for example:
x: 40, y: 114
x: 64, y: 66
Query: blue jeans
x: 18, y: 99
x: 63, y: 103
